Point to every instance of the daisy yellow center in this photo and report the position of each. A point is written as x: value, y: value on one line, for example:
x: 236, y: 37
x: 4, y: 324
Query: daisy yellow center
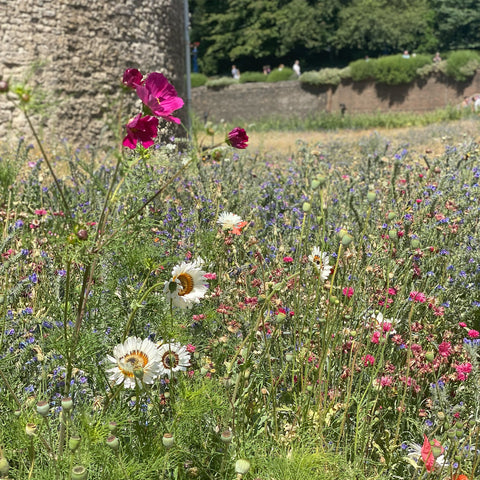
x: 186, y: 281
x: 132, y: 361
x: 170, y: 359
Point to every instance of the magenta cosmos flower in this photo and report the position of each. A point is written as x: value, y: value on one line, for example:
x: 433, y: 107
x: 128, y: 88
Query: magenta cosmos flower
x: 160, y: 96
x: 141, y: 129
x: 132, y: 78
x: 237, y: 138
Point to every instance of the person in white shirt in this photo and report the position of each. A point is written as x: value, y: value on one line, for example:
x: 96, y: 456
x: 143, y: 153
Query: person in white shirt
x: 296, y: 67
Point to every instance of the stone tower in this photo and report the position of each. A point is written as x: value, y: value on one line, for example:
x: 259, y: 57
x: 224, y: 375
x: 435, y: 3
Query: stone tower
x: 74, y: 52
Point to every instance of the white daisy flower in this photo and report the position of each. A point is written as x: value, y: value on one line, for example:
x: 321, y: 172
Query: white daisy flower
x: 187, y: 285
x: 320, y: 261
x: 229, y: 221
x: 173, y: 357
x: 135, y: 361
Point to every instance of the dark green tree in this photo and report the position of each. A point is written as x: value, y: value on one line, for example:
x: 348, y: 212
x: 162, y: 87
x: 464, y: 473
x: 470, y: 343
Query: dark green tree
x: 457, y: 23
x: 382, y: 26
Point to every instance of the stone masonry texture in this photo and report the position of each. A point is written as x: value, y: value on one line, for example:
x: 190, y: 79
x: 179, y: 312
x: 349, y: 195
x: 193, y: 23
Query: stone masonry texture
x: 73, y: 54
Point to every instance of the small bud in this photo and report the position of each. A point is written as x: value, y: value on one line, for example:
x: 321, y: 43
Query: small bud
x: 168, y: 440
x: 17, y: 412
x: 264, y: 391
x: 371, y: 197
x: 30, y: 429
x: 416, y: 243
x: 289, y: 357
x: 79, y: 472
x: 441, y: 416
x: 113, y: 442
x: 67, y: 403
x: 315, y: 184
x: 436, y: 451
x: 307, y: 207
x: 391, y: 215
x: 4, y: 466
x: 74, y: 442
x: 451, y: 434
x: 113, y: 426
x: 226, y: 436
x: 82, y: 234
x: 322, y: 180
x: 430, y: 356
x: 459, y: 432
x: 458, y: 458
x: 392, y: 235
x: 43, y: 408
x: 242, y: 466
x: 347, y: 240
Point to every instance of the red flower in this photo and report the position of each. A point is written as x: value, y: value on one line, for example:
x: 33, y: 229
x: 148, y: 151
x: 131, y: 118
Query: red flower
x: 427, y: 455
x: 141, y: 129
x: 237, y: 138
x: 160, y: 96
x: 348, y: 291
x: 418, y: 296
x: 132, y: 78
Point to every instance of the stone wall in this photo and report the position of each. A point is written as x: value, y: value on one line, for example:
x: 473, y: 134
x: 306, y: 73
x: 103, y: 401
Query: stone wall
x: 252, y: 101
x: 80, y: 49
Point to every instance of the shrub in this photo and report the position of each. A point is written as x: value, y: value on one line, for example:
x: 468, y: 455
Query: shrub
x: 462, y: 64
x: 430, y: 68
x: 252, y: 77
x: 363, y: 69
x: 280, y: 75
x: 395, y: 70
x: 326, y: 76
x: 220, y: 82
x: 198, y: 79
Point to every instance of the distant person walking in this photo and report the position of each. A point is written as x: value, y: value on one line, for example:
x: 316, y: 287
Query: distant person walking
x: 406, y: 54
x: 296, y: 68
x: 235, y: 72
x: 437, y: 58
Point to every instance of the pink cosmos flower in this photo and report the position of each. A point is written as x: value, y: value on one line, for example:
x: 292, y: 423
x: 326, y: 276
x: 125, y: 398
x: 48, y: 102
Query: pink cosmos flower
x: 445, y: 349
x: 237, y: 138
x: 462, y: 324
x: 473, y: 334
x: 375, y: 337
x: 418, y: 296
x: 288, y: 259
x: 348, y: 291
x: 132, y: 78
x: 160, y: 96
x: 141, y: 129
x: 368, y: 360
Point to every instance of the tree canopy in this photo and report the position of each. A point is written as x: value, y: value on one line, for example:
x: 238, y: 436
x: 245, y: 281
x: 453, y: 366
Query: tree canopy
x: 252, y: 33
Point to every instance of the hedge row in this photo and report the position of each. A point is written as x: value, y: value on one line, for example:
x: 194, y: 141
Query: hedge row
x: 390, y: 70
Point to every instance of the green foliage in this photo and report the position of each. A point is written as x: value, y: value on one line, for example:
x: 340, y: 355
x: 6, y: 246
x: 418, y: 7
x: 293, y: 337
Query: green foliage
x: 252, y: 77
x: 326, y: 76
x: 198, y: 79
x: 432, y: 68
x: 363, y: 69
x: 280, y: 75
x: 334, y: 121
x: 221, y: 82
x: 462, y: 64
x: 396, y: 70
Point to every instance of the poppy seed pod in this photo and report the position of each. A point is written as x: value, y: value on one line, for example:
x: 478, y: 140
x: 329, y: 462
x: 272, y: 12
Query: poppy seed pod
x: 67, y: 403
x: 79, y: 472
x: 371, y: 197
x: 226, y: 436
x: 4, y: 467
x: 307, y: 207
x: 168, y: 440
x: 30, y: 429
x: 315, y: 184
x: 347, y: 239
x: 113, y: 426
x: 74, y: 442
x: 43, y: 408
x: 242, y: 466
x: 113, y: 442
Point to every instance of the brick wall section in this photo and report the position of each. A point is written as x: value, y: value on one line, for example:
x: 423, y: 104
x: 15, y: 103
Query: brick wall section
x: 251, y: 101
x: 83, y: 47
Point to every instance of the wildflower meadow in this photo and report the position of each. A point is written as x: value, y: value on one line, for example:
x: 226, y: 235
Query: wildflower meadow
x: 178, y: 308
